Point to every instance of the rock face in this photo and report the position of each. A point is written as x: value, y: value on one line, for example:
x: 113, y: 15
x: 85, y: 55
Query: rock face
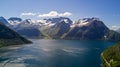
x: 10, y: 37
x: 111, y: 56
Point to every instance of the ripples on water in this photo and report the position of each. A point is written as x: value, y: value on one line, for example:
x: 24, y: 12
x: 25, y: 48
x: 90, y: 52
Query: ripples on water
x: 54, y: 53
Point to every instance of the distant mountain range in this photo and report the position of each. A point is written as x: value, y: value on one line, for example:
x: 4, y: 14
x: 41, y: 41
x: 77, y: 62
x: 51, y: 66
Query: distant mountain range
x: 118, y: 30
x: 63, y: 28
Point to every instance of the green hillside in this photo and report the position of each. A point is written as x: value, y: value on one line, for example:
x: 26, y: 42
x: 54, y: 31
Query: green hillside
x: 111, y: 56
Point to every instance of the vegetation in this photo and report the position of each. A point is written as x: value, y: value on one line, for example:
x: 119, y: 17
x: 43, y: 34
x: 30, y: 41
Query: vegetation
x: 111, y: 56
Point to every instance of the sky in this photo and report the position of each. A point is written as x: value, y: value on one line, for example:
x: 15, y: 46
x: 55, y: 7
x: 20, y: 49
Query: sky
x: 107, y: 10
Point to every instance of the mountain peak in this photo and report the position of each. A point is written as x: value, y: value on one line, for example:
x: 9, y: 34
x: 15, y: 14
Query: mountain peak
x: 59, y: 19
x: 87, y: 22
x: 15, y: 19
x: 89, y: 19
x: 3, y: 20
x: 95, y: 18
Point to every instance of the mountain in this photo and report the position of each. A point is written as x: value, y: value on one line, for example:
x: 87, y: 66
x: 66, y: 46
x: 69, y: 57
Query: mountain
x: 34, y: 28
x: 64, y: 28
x: 10, y: 37
x: 59, y: 26
x: 89, y: 28
x: 57, y: 20
x: 112, y: 36
x: 2, y: 19
x: 30, y: 32
x: 111, y: 56
x: 14, y: 20
x: 118, y: 30
x: 26, y: 27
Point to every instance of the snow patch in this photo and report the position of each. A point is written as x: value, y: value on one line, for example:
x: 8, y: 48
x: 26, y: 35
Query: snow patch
x: 79, y: 23
x: 66, y: 20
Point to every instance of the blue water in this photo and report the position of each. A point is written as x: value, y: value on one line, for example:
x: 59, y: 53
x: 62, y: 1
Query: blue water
x: 54, y: 53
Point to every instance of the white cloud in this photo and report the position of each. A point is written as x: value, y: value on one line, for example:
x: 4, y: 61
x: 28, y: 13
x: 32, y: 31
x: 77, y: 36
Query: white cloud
x: 50, y: 14
x: 114, y: 27
x: 66, y: 14
x: 28, y: 14
x: 55, y: 14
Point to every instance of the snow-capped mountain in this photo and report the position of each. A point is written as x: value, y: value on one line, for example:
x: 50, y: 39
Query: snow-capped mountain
x: 60, y: 27
x: 63, y: 28
x: 84, y: 22
x: 21, y: 26
x: 87, y: 28
x: 14, y: 20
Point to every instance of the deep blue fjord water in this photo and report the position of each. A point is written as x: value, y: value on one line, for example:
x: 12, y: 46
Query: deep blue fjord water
x: 54, y: 53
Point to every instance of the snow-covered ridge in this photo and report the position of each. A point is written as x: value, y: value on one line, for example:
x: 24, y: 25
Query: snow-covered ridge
x: 79, y: 23
x: 14, y: 22
x: 49, y: 22
x: 31, y: 22
x: 84, y: 22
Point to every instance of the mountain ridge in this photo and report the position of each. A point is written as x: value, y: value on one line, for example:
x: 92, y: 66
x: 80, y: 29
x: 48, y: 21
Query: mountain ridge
x: 64, y: 28
x: 10, y: 37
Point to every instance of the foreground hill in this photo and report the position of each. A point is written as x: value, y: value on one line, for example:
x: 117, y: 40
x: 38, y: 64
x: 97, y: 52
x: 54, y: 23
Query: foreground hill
x: 111, y: 56
x: 10, y: 37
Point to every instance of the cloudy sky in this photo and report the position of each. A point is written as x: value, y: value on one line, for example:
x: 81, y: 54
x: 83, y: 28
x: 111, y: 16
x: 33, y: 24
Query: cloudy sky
x: 107, y: 10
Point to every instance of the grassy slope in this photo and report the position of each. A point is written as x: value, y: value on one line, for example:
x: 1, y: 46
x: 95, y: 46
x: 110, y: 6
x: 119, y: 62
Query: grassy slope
x: 111, y: 56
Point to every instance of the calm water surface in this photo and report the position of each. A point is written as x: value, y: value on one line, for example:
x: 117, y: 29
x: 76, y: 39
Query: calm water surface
x: 54, y: 53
